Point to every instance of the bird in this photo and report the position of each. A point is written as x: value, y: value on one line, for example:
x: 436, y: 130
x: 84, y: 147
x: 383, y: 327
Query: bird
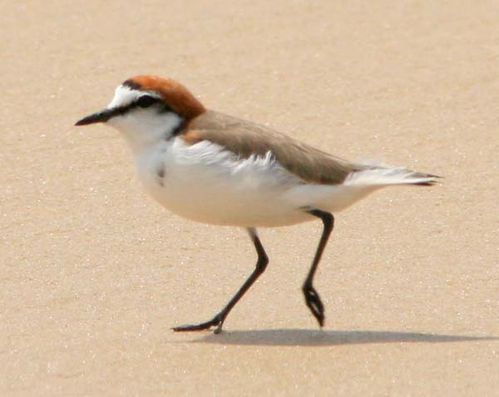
x: 217, y: 169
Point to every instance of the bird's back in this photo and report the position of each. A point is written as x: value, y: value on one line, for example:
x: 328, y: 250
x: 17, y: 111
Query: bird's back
x: 245, y: 139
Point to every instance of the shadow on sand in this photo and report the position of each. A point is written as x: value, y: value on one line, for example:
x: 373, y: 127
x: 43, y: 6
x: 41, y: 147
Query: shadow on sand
x: 304, y: 337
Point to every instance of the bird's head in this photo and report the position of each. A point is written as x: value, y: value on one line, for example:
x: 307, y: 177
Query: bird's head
x: 148, y: 108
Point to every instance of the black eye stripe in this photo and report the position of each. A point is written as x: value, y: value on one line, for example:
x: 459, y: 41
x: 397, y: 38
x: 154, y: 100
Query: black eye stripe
x: 146, y: 100
x: 118, y: 111
x: 143, y: 102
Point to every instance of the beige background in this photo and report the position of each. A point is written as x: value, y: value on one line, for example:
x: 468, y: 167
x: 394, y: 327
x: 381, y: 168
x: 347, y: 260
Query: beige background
x: 93, y: 273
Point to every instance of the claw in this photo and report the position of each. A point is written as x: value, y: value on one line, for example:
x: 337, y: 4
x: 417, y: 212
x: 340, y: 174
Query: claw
x: 314, y: 303
x: 217, y: 322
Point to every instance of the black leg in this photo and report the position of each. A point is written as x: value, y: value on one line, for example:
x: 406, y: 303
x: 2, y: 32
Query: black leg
x: 312, y: 298
x: 219, y: 319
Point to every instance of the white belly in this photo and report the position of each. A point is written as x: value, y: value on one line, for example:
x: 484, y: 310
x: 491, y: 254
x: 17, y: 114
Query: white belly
x: 204, y: 183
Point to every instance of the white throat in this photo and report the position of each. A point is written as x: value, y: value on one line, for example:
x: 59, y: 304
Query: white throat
x: 143, y: 130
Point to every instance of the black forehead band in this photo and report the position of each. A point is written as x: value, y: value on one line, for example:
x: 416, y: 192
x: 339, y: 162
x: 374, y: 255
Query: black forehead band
x: 131, y: 84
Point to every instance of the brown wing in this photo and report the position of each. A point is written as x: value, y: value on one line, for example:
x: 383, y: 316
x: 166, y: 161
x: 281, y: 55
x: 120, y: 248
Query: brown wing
x: 247, y: 138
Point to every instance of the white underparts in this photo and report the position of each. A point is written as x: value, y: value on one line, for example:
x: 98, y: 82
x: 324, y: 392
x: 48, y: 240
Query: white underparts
x: 206, y: 183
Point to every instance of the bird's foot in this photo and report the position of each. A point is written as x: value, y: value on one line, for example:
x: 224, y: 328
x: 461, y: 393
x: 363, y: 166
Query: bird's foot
x: 314, y: 303
x: 216, y: 321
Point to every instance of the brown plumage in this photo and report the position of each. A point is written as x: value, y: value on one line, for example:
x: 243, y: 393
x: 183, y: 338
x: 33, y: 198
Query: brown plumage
x: 245, y: 138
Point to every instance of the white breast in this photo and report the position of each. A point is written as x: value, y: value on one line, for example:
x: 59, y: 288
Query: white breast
x: 207, y: 184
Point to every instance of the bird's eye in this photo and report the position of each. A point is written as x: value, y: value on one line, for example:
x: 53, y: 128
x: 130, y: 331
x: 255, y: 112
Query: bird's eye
x: 145, y: 101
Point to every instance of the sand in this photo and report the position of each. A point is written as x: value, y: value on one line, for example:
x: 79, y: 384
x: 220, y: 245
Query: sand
x: 93, y: 273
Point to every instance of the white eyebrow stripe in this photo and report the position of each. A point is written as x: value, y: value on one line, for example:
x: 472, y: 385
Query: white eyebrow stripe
x: 124, y: 96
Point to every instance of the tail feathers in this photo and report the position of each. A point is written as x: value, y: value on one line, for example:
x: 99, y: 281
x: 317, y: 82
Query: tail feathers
x: 384, y: 176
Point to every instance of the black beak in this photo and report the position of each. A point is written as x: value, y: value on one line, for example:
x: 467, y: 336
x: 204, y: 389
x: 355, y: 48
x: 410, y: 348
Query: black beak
x: 99, y: 117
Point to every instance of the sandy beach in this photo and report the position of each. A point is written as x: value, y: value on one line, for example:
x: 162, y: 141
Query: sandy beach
x: 93, y: 273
